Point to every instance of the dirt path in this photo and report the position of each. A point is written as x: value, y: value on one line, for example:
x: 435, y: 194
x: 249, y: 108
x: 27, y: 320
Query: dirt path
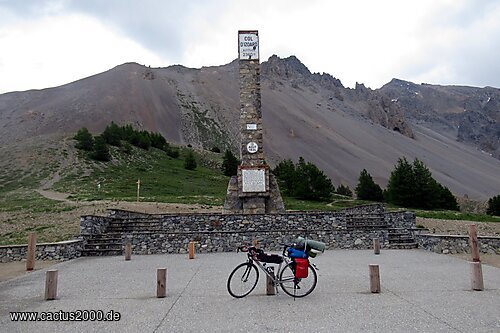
x: 456, y: 227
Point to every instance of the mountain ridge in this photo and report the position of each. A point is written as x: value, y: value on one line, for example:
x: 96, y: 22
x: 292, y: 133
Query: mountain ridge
x: 342, y: 130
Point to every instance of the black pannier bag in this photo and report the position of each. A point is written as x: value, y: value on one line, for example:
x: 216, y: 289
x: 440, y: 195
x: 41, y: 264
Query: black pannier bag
x: 270, y: 258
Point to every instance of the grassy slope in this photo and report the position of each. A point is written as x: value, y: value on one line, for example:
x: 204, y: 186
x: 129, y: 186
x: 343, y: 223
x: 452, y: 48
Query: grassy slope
x: 163, y: 179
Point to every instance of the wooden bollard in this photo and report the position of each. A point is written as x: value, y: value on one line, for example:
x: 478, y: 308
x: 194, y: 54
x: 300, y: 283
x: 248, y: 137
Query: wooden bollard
x: 476, y: 276
x: 161, y: 282
x: 376, y: 246
x: 270, y: 287
x: 30, y: 256
x: 473, y: 243
x: 51, y: 285
x: 191, y: 250
x: 374, y: 279
x: 128, y: 250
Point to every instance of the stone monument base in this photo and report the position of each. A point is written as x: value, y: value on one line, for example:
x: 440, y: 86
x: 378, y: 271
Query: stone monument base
x: 269, y: 203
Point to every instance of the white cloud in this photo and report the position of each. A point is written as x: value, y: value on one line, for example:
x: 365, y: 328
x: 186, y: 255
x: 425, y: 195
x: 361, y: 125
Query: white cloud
x: 56, y: 50
x: 435, y: 41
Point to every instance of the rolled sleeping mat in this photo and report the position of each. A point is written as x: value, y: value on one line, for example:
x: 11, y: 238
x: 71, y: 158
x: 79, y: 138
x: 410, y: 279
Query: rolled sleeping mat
x: 311, y: 244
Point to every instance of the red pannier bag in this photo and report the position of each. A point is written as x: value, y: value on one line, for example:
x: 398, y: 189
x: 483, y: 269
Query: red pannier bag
x: 301, y: 268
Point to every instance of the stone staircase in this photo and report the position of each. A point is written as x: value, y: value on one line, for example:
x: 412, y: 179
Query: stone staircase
x: 107, y: 244
x: 110, y: 243
x: 365, y: 222
x: 400, y: 238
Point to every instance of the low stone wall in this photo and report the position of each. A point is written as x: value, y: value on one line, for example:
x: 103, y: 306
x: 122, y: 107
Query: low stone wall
x: 400, y: 219
x: 93, y: 225
x: 152, y: 243
x: 65, y: 250
x: 453, y: 244
x: 224, y: 232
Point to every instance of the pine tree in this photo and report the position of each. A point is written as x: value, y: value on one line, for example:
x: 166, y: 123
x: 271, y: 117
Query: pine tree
x: 401, y: 185
x: 445, y: 199
x: 85, y: 139
x: 286, y: 176
x: 112, y: 134
x: 367, y: 189
x: 229, y: 164
x: 144, y: 140
x: 312, y: 183
x: 494, y: 206
x: 190, y: 161
x: 101, y: 150
x: 344, y: 190
x: 425, y: 189
x: 157, y: 140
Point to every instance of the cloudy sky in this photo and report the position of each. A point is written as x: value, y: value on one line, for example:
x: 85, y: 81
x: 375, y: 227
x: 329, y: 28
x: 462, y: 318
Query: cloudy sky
x: 46, y: 43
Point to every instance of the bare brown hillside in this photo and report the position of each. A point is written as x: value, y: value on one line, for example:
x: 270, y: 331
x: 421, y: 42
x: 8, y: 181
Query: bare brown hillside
x: 305, y: 114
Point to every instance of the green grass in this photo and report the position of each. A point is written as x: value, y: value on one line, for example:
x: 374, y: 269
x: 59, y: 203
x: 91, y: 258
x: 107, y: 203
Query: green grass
x: 454, y: 215
x: 29, y: 201
x: 163, y: 179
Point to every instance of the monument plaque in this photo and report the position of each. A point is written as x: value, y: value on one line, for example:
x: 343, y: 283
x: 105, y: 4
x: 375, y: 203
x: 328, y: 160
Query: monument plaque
x: 254, y: 180
x: 248, y: 45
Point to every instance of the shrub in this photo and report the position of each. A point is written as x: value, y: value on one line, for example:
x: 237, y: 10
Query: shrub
x: 101, y: 150
x: 112, y: 135
x: 344, y: 190
x: 229, y: 164
x: 85, y: 139
x: 190, y: 161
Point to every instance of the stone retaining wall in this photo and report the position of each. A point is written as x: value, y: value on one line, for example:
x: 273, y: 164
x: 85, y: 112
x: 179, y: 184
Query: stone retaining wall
x: 224, y: 232
x: 400, y: 219
x: 44, y: 251
x: 152, y: 243
x: 453, y: 244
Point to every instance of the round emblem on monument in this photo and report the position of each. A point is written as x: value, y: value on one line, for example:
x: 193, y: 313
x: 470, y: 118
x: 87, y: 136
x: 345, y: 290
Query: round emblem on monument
x: 252, y: 147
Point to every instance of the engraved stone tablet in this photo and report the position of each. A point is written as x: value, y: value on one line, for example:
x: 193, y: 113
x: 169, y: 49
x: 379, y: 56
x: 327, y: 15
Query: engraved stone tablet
x: 254, y: 180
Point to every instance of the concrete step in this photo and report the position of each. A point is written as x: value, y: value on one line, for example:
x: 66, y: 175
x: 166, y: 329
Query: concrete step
x: 100, y: 246
x: 403, y: 246
x: 101, y: 252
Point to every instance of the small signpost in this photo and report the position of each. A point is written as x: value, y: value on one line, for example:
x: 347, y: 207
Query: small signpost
x: 138, y: 188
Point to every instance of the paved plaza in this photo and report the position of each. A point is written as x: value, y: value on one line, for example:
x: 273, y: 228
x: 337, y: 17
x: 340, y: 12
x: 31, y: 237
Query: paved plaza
x: 421, y: 292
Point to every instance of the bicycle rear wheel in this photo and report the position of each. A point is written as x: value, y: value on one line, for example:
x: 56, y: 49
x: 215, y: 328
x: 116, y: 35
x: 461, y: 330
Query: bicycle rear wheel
x: 296, y: 287
x: 242, y: 280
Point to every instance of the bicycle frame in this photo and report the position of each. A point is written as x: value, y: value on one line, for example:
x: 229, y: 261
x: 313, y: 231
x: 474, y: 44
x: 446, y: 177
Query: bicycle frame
x: 263, y: 267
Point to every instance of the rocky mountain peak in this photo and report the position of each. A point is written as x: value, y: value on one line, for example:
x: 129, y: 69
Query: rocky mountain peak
x: 289, y: 68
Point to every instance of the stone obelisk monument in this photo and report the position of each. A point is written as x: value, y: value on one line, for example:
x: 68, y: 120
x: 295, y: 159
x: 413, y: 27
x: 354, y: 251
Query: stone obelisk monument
x: 254, y: 190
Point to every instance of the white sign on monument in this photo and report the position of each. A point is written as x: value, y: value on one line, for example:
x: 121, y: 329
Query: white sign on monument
x: 252, y: 147
x: 254, y: 180
x: 248, y: 46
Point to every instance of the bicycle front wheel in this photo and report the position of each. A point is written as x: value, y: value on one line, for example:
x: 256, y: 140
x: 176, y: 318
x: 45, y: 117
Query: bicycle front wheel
x: 242, y: 280
x: 294, y: 286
